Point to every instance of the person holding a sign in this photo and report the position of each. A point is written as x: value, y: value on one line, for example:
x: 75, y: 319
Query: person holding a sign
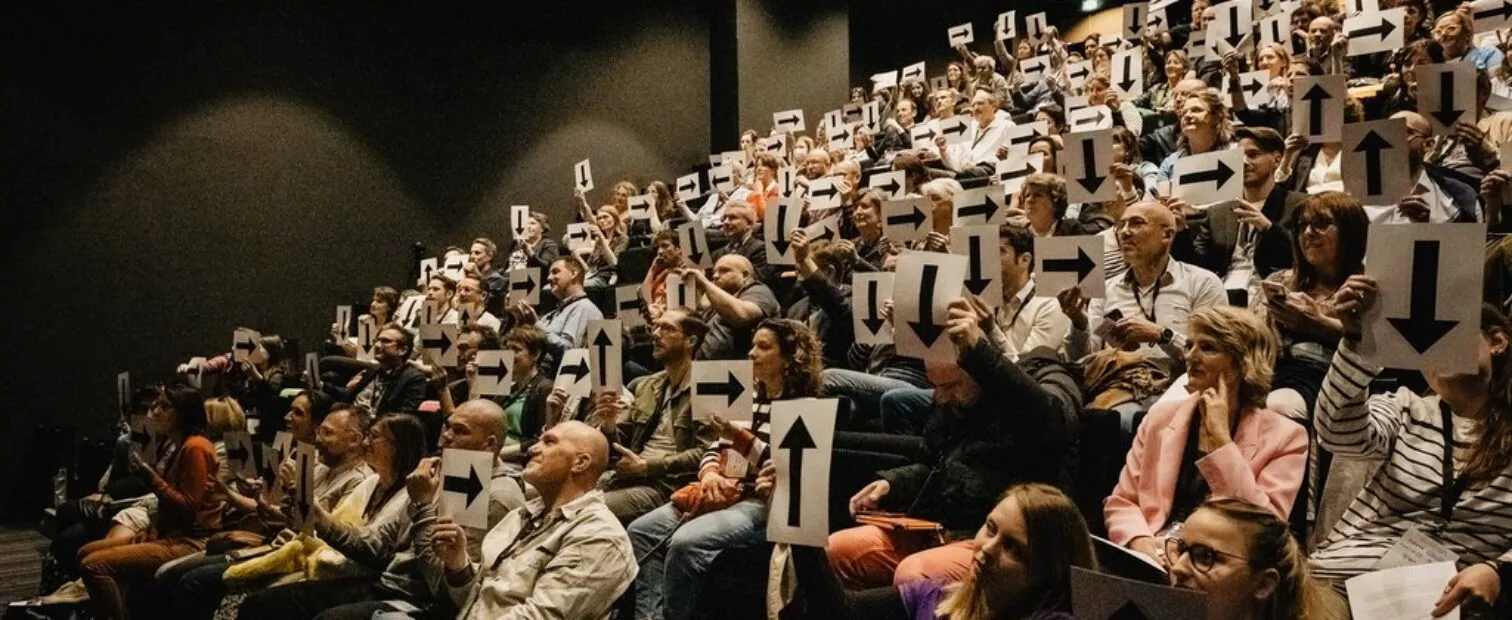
x: 472, y: 302
x: 1455, y: 33
x: 1447, y: 465
x: 1248, y: 562
x: 561, y: 555
x: 1205, y: 128
x: 740, y: 222
x: 525, y: 407
x: 956, y: 483
x: 976, y: 156
x: 1447, y: 198
x: 1198, y: 439
x: 659, y: 443
x: 1160, y: 97
x: 395, y: 385
x: 187, y: 509
x: 1247, y: 241
x: 679, y: 541
x: 602, y: 257
x: 565, y: 324
x: 737, y: 302
x: 480, y: 256
x: 536, y: 248
x: 873, y: 248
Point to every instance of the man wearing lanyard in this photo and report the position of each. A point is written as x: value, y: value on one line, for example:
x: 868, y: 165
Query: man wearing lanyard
x: 561, y: 555
x: 1147, y: 307
x: 1025, y: 321
x: 988, y: 128
x: 564, y: 326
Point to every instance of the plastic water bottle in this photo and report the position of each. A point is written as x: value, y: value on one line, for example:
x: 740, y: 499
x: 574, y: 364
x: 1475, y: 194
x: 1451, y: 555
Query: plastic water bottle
x: 60, y: 487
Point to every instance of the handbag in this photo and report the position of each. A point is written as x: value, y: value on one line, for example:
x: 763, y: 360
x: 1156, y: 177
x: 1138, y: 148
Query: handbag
x: 690, y: 500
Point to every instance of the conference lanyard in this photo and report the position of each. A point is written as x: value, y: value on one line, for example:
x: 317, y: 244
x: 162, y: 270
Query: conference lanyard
x: 1154, y: 295
x: 1022, y: 303
x: 1453, y: 488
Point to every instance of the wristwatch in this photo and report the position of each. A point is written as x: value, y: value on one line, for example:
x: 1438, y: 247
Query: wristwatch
x: 1166, y: 335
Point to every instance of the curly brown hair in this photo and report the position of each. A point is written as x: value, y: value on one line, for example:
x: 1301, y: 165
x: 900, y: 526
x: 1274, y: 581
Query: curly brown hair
x: 803, y: 359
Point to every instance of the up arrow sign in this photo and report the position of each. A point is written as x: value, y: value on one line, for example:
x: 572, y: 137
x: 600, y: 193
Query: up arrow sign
x: 1372, y: 146
x: 796, y: 442
x: 1315, y: 97
x: 1421, y: 328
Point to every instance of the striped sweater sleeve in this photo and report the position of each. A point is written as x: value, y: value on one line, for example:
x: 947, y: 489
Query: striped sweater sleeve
x: 1348, y: 422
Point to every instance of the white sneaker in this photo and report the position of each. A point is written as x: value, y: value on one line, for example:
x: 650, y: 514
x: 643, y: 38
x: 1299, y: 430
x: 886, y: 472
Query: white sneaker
x: 69, y: 593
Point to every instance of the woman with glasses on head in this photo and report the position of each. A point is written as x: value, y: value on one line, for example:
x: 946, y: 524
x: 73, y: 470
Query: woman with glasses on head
x: 1219, y: 441
x: 1247, y: 562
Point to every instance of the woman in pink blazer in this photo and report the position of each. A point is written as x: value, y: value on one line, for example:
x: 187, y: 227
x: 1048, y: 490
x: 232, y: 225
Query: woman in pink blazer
x: 1219, y: 441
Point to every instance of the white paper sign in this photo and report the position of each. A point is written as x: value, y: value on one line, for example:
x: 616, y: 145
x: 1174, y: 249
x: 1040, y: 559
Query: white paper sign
x: 1078, y: 72
x: 1420, y: 320
x: 1034, y: 25
x: 1210, y: 177
x: 682, y: 294
x: 981, y: 205
x: 822, y: 194
x: 1090, y: 118
x: 312, y: 369
x: 1446, y: 95
x: 1491, y: 15
x: 244, y: 344
x: 869, y: 291
x: 924, y: 286
x: 439, y: 342
x: 1064, y: 262
x: 884, y: 80
x: 891, y: 184
x: 778, y: 224
x: 627, y: 305
x: 519, y: 216
x: 803, y: 433
x: 579, y: 237
x: 912, y: 73
x: 573, y: 373
x: 1231, y: 25
x: 524, y: 285
x: 428, y: 267
x: 604, y: 355
x: 1099, y: 595
x: 961, y: 35
x: 1018, y: 137
x: 495, y: 369
x: 722, y: 178
x: 984, y: 275
x: 1376, y: 32
x: 1034, y: 68
x: 688, y: 187
x: 1007, y: 27
x: 465, y: 479
x: 283, y: 448
x: 789, y: 121
x: 241, y: 455
x: 1128, y: 72
x: 1318, y: 107
x: 954, y: 129
x: 1375, y: 163
x: 722, y: 388
x: 1087, y: 165
x: 1135, y: 16
x: 344, y: 322
x: 1398, y: 593
x: 826, y: 229
x: 910, y: 219
x: 123, y: 392
x: 304, y: 486
x: 1276, y: 29
x: 1255, y: 86
x: 582, y: 175
x: 367, y: 337
x: 694, y: 243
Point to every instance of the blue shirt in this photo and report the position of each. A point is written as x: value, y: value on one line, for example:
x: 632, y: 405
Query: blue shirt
x: 1484, y: 58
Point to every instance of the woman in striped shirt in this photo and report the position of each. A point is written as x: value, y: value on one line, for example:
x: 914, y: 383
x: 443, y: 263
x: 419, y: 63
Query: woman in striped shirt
x: 675, y: 549
x: 1459, y: 498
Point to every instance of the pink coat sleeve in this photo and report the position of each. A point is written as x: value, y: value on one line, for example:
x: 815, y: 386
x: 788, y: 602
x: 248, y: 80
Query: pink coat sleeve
x: 1121, y: 511
x: 1273, y: 482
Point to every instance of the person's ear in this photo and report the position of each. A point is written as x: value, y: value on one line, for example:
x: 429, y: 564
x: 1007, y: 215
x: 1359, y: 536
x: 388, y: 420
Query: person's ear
x: 1266, y: 583
x: 1498, y: 340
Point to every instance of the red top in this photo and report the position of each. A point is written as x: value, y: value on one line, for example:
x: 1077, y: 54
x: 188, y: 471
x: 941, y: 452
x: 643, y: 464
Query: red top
x: 186, y: 500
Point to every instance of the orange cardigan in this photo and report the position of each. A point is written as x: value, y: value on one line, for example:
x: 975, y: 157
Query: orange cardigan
x: 1264, y: 464
x: 186, y: 502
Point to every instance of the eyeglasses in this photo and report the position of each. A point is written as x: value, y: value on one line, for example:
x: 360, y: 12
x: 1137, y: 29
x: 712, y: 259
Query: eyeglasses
x: 1319, y: 224
x: 1202, y: 556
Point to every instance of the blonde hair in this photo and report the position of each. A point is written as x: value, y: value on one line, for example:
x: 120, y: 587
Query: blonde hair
x: 1271, y: 546
x: 946, y: 188
x: 1056, y: 539
x: 1281, y: 52
x: 223, y: 415
x: 1243, y: 336
x: 1223, y: 126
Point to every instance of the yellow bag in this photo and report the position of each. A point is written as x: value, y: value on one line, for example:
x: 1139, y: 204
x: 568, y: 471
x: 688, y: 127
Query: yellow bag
x: 304, y: 557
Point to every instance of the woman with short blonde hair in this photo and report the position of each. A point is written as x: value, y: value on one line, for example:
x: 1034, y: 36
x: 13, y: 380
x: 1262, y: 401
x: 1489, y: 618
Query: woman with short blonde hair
x: 1221, y: 440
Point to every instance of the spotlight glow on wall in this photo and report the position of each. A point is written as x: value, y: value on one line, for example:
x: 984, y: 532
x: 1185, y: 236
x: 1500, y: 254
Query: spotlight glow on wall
x: 1091, y: 5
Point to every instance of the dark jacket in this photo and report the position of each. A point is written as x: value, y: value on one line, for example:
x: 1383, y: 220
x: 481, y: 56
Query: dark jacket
x: 403, y: 396
x: 826, y: 308
x: 1218, y: 232
x: 1022, y: 429
x: 754, y: 249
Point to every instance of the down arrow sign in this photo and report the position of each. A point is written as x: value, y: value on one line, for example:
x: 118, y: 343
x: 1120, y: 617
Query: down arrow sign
x: 976, y: 283
x: 1447, y: 115
x: 780, y: 240
x: 927, y: 331
x: 873, y: 321
x: 1421, y: 328
x: 1090, y: 181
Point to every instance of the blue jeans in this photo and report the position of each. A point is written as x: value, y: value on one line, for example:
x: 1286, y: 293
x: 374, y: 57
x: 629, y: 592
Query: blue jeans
x: 671, y: 577
x: 905, y: 411
x: 864, y: 390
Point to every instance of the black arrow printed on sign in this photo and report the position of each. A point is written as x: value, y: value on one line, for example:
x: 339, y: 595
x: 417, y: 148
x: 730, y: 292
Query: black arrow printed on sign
x: 470, y: 487
x: 791, y: 120
x: 1253, y: 86
x: 1135, y: 23
x: 1421, y: 328
x: 975, y: 282
x: 1504, y: 11
x: 826, y: 234
x: 1372, y: 145
x: 915, y: 218
x: 519, y: 223
x: 1446, y: 114
x: 892, y: 186
x: 1090, y: 181
x: 442, y: 344
x: 958, y: 128
x: 576, y: 371
x: 691, y: 186
x: 780, y: 240
x: 1128, y: 81
x: 926, y: 329
x: 1220, y: 175
x: 1385, y: 30
x: 249, y: 345
x: 526, y: 285
x: 602, y: 342
x: 987, y: 207
x: 873, y: 320
x: 956, y: 33
x: 796, y: 441
x: 582, y: 176
x: 731, y: 388
x: 1082, y: 265
x: 1315, y: 97
x: 694, y: 253
x: 1083, y: 71
x: 1235, y: 36
x: 497, y: 371
x: 237, y: 453
x: 1097, y: 119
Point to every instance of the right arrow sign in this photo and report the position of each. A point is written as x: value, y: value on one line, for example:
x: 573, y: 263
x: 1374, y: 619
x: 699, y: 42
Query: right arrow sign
x: 1210, y: 177
x: 1064, y: 262
x: 1413, y: 326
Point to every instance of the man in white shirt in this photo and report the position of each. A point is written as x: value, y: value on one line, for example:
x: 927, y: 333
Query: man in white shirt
x: 1029, y: 318
x: 1147, y: 307
x: 977, y: 155
x: 1435, y: 198
x: 471, y: 306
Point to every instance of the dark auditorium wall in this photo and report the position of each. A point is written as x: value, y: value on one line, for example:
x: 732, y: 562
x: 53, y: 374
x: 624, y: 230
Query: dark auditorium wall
x: 792, y: 54
x: 170, y: 175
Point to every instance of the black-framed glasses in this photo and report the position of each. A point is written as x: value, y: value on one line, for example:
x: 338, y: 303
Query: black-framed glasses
x: 1202, y: 556
x: 1320, y: 224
